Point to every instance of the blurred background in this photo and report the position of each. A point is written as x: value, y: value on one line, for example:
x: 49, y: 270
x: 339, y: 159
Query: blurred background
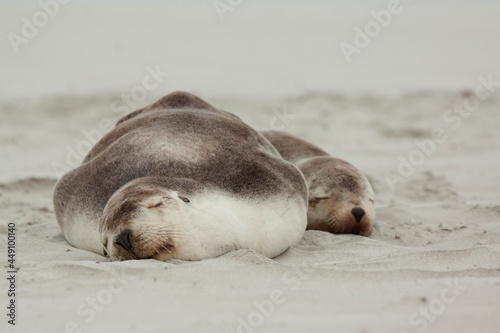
x: 253, y: 47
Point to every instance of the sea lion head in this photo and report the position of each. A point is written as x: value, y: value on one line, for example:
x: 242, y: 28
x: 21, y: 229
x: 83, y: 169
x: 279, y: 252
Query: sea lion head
x: 142, y: 220
x: 341, y: 199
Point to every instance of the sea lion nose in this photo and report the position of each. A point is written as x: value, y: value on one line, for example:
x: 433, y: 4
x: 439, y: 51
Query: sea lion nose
x: 358, y: 213
x: 123, y: 239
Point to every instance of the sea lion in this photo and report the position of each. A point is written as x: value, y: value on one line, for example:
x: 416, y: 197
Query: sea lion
x: 341, y: 199
x: 182, y: 179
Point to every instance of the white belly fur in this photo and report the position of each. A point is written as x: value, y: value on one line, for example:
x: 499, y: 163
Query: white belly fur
x: 216, y: 223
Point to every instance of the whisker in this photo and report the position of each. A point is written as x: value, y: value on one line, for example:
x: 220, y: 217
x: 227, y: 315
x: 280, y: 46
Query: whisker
x: 180, y: 234
x: 169, y: 230
x: 162, y: 246
x: 330, y: 219
x: 156, y: 250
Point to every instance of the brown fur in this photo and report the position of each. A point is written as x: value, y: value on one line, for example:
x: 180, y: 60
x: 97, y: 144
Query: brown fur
x: 344, y: 185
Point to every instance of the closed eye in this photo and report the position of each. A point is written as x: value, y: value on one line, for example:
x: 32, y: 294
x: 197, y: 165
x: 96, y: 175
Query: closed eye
x: 319, y: 199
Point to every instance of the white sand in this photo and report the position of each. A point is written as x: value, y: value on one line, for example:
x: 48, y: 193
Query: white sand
x: 438, y: 252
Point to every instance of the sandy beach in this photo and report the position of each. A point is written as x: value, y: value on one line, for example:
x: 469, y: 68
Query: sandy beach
x: 421, y: 121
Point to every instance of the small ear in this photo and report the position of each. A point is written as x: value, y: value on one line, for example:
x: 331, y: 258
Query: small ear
x: 155, y: 202
x: 157, y: 205
x: 183, y: 198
